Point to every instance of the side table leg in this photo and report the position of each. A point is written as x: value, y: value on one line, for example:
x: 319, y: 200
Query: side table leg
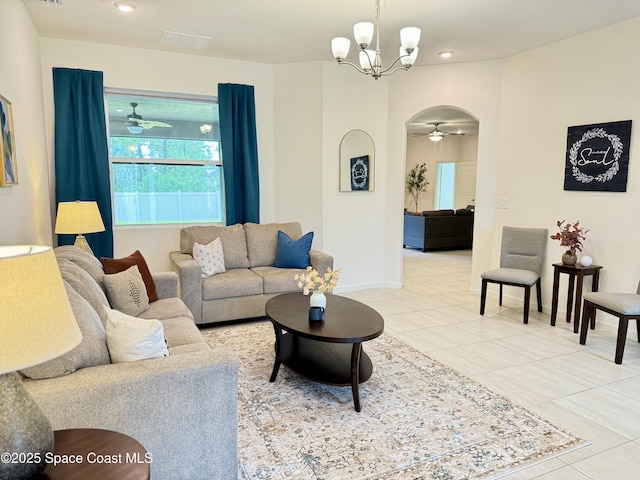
x: 594, y: 288
x: 576, y: 318
x: 279, y: 349
x: 572, y: 279
x: 355, y: 374
x: 554, y: 301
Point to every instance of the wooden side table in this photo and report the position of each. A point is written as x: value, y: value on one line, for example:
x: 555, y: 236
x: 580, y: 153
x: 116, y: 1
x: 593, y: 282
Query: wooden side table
x: 84, y: 453
x: 578, y: 272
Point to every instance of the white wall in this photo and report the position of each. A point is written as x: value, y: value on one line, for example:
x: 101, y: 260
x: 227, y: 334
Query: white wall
x: 24, y: 208
x: 125, y: 67
x: 592, y: 78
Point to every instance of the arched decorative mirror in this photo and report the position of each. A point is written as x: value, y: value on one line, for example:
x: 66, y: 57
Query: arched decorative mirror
x: 357, y: 162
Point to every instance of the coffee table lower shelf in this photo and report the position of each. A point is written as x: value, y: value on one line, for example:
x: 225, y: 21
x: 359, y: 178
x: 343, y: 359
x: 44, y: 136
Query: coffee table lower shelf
x: 324, y: 362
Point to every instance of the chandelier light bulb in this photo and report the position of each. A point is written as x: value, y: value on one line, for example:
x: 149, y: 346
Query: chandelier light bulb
x: 340, y: 47
x: 410, y: 37
x: 408, y: 58
x: 363, y: 33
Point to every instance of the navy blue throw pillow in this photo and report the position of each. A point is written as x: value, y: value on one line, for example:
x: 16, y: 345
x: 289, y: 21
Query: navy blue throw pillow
x: 293, y: 253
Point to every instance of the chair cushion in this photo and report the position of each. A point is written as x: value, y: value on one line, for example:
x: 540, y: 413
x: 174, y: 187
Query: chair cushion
x: 623, y: 303
x: 511, y: 275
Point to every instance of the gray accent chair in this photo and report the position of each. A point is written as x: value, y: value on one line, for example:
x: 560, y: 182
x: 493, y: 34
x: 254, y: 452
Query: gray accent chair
x: 521, y: 258
x: 625, y: 306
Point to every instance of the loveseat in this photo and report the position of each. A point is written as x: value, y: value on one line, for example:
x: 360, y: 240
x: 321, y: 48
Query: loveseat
x: 182, y: 407
x: 250, y: 277
x: 439, y: 229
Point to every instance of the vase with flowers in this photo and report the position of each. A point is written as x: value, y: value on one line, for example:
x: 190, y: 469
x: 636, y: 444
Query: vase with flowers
x: 317, y: 285
x: 571, y: 236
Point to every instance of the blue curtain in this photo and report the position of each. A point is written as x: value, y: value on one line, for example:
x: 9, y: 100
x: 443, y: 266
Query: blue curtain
x: 239, y: 152
x: 81, y: 149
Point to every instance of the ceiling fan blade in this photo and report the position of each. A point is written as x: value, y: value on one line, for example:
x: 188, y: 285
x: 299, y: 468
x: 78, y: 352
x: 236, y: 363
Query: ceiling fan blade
x: 153, y: 123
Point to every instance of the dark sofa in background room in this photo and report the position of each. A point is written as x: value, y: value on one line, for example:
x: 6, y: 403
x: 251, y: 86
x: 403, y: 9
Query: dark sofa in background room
x: 439, y: 229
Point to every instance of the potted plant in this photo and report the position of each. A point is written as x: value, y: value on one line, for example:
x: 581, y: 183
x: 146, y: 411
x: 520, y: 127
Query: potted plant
x: 571, y: 236
x: 417, y: 182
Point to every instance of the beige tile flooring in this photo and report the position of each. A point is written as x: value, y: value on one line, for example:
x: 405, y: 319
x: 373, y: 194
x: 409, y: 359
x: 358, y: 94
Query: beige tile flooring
x: 541, y: 367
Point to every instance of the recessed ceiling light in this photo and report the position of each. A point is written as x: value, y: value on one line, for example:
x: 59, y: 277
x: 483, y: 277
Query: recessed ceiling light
x: 446, y: 54
x: 125, y: 6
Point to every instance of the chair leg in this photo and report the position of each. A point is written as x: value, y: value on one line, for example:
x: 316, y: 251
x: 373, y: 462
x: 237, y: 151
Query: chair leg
x: 638, y: 328
x: 527, y: 300
x: 539, y: 295
x: 622, y: 336
x: 588, y: 309
x: 483, y: 296
x: 500, y: 301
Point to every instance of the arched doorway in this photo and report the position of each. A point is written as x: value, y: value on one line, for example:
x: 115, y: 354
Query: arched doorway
x: 445, y: 140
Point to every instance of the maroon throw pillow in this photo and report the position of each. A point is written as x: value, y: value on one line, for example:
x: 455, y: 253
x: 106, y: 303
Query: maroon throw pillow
x: 117, y: 265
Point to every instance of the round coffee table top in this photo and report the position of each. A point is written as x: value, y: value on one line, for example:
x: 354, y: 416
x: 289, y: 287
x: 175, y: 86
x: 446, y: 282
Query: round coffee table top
x: 346, y: 320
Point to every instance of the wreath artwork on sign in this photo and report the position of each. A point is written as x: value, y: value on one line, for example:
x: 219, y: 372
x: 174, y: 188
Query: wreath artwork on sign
x: 360, y: 173
x: 598, y: 157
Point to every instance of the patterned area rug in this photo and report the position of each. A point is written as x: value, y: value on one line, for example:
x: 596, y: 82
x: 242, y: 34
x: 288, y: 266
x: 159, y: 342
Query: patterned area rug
x: 419, y: 419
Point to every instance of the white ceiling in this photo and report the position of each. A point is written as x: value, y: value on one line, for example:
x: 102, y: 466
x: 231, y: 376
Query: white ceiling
x: 289, y: 31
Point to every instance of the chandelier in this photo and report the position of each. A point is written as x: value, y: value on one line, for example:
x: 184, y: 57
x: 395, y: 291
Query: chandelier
x: 371, y: 60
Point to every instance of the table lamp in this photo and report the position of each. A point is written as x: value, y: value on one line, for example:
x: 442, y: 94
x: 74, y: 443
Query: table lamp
x: 36, y: 325
x: 79, y: 218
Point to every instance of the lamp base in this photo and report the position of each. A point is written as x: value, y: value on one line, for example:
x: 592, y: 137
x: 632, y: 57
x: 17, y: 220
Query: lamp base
x: 81, y: 242
x: 25, y: 431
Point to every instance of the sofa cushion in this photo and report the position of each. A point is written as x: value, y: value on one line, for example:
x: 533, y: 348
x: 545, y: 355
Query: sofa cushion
x: 278, y: 280
x: 465, y: 212
x: 234, y: 243
x: 262, y: 240
x: 238, y: 282
x: 437, y: 213
x: 126, y: 291
x: 210, y: 257
x: 130, y: 339
x: 92, y: 349
x: 83, y: 259
x: 117, y: 265
x: 293, y: 253
x: 84, y: 284
x: 167, y: 308
x: 181, y: 331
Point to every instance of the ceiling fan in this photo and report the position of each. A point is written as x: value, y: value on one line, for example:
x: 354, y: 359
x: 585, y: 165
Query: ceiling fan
x: 436, y: 135
x: 135, y: 123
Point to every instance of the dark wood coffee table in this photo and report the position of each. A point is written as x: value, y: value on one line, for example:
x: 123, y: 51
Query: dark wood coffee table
x: 328, y: 351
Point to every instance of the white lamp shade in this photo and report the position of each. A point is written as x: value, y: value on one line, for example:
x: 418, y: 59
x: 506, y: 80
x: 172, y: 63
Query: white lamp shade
x: 135, y: 129
x: 410, y: 37
x: 78, y: 218
x: 408, y: 59
x: 36, y: 320
x: 340, y: 47
x: 436, y: 136
x: 367, y: 57
x: 363, y: 33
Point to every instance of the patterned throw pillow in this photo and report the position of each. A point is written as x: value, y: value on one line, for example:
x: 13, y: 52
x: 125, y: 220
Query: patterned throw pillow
x: 210, y: 257
x: 126, y: 291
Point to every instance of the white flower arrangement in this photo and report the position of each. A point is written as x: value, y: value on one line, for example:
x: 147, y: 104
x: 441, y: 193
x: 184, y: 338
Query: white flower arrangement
x: 312, y: 282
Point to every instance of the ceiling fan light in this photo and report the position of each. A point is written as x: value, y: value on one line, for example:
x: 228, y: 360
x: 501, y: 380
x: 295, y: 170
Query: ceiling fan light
x: 340, y: 47
x: 363, y: 33
x: 135, y: 129
x: 410, y: 37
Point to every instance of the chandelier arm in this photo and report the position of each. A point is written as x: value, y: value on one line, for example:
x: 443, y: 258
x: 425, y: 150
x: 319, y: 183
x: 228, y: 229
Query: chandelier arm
x: 386, y: 73
x: 405, y: 67
x: 354, y: 66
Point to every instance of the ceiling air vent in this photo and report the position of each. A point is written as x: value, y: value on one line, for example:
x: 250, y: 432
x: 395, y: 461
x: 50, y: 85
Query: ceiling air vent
x: 183, y: 40
x: 53, y: 2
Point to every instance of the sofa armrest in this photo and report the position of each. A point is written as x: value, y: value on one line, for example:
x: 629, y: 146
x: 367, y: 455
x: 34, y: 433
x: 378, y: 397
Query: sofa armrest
x: 320, y: 261
x: 166, y: 284
x: 189, y: 282
x: 181, y: 408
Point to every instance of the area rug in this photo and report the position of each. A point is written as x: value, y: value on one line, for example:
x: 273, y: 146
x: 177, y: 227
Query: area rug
x: 419, y: 419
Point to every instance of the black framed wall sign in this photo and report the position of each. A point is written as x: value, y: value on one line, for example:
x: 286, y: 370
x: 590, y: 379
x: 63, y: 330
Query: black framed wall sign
x: 597, y: 157
x: 360, y: 173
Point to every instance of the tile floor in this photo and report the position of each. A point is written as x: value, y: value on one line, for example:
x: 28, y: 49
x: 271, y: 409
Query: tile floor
x: 544, y: 368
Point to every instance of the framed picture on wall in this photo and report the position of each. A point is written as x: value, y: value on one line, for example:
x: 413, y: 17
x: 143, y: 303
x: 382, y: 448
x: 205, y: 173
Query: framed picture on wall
x: 8, y: 166
x: 360, y: 173
x: 597, y: 157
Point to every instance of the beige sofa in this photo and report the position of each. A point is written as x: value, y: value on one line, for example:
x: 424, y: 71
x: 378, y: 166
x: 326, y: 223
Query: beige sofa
x: 182, y: 408
x: 250, y: 278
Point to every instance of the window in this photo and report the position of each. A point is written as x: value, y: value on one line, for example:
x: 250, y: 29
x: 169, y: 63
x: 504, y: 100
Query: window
x: 166, y: 160
x: 445, y: 185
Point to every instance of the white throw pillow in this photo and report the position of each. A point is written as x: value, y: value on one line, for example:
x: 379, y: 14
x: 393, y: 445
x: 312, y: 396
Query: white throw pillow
x: 130, y: 338
x: 210, y: 257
